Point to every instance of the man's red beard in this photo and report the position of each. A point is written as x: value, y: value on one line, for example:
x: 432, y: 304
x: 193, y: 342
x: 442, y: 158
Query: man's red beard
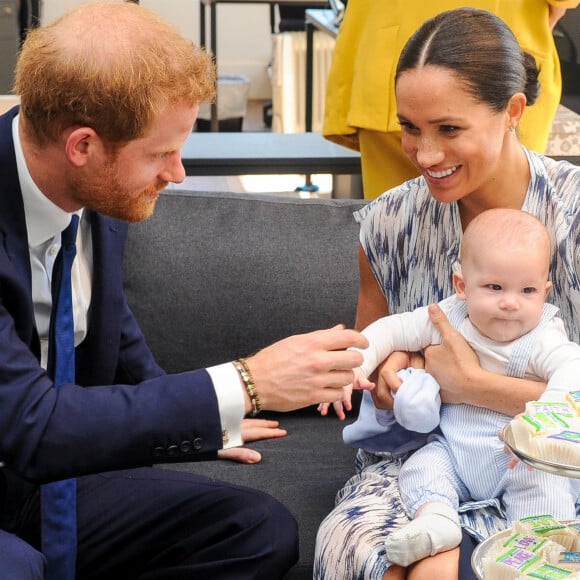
x: 106, y: 194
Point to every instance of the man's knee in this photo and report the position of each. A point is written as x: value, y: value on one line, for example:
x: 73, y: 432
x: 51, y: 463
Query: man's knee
x: 280, y: 523
x: 276, y: 531
x: 287, y: 527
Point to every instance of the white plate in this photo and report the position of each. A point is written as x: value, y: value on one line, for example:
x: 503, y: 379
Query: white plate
x: 556, y: 468
x: 481, y: 549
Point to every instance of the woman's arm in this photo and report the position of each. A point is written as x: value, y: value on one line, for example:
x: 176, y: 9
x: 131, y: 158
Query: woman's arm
x: 462, y: 380
x: 373, y: 305
x: 453, y: 363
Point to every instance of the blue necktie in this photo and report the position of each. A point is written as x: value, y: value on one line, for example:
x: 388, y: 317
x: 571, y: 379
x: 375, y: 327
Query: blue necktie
x: 58, y: 499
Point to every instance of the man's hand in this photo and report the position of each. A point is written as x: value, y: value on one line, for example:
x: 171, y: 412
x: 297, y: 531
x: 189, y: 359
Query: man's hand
x: 452, y: 363
x: 252, y: 430
x: 306, y: 369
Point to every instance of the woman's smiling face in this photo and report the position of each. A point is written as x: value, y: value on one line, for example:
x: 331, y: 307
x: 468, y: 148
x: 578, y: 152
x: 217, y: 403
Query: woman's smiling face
x: 454, y: 141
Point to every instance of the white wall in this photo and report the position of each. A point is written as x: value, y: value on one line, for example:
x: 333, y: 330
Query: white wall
x: 244, y: 38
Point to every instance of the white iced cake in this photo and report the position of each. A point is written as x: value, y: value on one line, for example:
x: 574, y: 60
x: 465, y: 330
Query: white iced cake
x: 550, y: 430
x: 538, y: 547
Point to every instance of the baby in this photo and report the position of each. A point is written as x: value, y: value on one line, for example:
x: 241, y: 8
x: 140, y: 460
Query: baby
x: 499, y: 307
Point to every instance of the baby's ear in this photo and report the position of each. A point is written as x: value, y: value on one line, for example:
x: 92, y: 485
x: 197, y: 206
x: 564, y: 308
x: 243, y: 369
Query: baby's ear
x: 459, y: 285
x: 548, y: 288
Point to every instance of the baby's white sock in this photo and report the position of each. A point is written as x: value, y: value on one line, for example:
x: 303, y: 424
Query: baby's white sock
x: 435, y: 529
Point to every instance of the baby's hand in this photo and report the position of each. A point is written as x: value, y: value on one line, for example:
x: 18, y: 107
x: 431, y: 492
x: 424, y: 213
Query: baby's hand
x: 363, y: 384
x: 344, y: 404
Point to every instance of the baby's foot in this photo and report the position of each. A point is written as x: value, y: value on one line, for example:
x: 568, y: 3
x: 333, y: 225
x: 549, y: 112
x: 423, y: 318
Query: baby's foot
x: 427, y: 535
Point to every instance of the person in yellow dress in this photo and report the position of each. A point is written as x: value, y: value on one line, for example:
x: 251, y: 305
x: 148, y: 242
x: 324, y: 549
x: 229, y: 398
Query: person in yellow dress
x: 360, y: 109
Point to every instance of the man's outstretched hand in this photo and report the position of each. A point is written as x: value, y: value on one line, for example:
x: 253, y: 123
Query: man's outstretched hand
x: 252, y: 430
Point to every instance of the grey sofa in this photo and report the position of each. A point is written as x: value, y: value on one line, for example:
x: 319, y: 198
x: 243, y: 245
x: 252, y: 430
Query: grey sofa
x: 215, y: 276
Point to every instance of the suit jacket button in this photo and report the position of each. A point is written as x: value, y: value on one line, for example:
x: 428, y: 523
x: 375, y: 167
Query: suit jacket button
x: 172, y: 450
x: 197, y: 443
x: 185, y: 447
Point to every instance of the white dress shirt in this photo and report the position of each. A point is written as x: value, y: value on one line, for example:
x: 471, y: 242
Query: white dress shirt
x: 44, y: 223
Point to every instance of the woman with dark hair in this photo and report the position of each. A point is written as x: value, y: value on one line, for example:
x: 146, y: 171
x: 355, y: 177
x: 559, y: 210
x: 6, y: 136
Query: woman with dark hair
x: 360, y: 110
x: 462, y: 84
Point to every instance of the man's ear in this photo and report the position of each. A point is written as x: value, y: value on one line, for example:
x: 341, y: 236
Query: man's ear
x: 81, y: 143
x: 459, y: 285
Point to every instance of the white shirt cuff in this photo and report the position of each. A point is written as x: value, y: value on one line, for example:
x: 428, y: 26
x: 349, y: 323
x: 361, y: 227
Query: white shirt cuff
x: 231, y: 403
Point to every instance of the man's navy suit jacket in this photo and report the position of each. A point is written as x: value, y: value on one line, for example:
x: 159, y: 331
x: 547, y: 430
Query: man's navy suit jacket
x: 47, y: 433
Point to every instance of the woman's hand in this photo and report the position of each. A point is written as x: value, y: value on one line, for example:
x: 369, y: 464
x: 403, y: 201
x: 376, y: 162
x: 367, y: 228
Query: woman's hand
x: 456, y: 368
x: 253, y: 430
x: 387, y: 381
x: 514, y: 460
x: 554, y: 15
x: 452, y: 363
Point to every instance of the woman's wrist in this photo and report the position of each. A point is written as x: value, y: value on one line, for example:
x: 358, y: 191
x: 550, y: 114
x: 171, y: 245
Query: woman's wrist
x: 501, y: 393
x: 480, y: 387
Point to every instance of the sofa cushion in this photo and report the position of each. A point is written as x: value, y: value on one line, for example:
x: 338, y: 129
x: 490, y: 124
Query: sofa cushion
x: 215, y: 276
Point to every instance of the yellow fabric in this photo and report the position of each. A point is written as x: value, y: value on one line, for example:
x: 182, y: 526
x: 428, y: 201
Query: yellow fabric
x: 384, y: 164
x: 360, y: 104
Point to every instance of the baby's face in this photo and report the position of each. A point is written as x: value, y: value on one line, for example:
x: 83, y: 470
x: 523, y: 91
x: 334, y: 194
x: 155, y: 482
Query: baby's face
x: 505, y: 291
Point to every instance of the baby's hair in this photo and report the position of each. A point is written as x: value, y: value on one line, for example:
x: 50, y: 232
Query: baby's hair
x: 503, y: 228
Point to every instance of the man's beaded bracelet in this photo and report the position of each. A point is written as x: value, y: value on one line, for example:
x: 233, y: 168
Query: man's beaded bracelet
x: 245, y: 374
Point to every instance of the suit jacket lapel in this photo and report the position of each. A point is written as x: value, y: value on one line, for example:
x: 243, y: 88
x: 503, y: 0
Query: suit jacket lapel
x: 97, y: 356
x: 108, y: 236
x: 12, y: 220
